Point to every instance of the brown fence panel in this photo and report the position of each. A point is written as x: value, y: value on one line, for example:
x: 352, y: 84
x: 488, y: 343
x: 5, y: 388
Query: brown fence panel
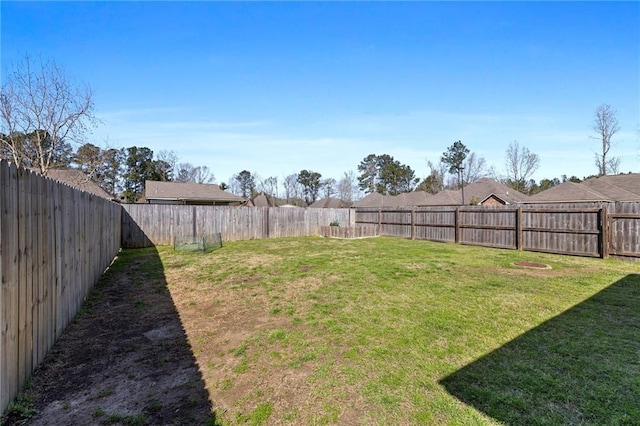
x: 574, y: 232
x: 576, y: 229
x: 436, y: 224
x: 55, y: 242
x: 489, y: 226
x: 145, y: 225
x: 624, y: 229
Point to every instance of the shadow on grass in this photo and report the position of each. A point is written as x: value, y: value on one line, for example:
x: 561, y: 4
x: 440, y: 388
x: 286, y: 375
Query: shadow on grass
x: 125, y: 358
x: 580, y: 367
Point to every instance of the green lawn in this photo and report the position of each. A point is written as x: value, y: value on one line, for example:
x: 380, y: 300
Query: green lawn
x: 393, y: 331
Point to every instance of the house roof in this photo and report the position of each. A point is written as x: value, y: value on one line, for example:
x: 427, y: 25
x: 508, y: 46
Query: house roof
x: 79, y: 180
x: 617, y: 187
x: 478, y: 191
x: 329, y: 203
x: 155, y: 190
x: 568, y: 192
x: 373, y: 199
x: 603, y: 188
x: 415, y: 198
x: 448, y: 197
x: 406, y: 199
x: 485, y: 187
x: 261, y: 201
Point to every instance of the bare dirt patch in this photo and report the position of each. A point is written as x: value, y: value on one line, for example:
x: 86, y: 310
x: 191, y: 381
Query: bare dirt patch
x: 124, y: 359
x: 533, y: 265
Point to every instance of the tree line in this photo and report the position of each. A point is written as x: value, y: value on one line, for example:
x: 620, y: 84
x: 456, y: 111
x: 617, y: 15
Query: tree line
x: 43, y: 115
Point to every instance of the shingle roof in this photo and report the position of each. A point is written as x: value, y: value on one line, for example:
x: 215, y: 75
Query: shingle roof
x: 485, y: 187
x: 373, y: 199
x: 477, y: 191
x: 568, y: 192
x: 188, y: 191
x: 448, y: 197
x: 261, y: 201
x: 329, y: 203
x: 603, y: 188
x: 618, y: 187
x: 79, y: 180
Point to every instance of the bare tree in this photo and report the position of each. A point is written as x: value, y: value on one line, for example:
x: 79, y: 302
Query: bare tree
x: 474, y: 168
x: 605, y: 124
x: 268, y: 186
x: 186, y: 172
x: 292, y: 188
x: 520, y: 164
x: 328, y: 187
x: 168, y: 159
x: 41, y: 112
x: 347, y: 187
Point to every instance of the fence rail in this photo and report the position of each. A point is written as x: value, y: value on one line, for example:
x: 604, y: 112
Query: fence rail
x: 55, y: 242
x: 145, y: 225
x: 601, y: 231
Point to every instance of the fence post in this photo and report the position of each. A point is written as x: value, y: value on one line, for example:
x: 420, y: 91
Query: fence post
x: 413, y: 223
x: 457, y: 225
x: 519, y: 228
x: 193, y: 224
x: 380, y: 221
x: 603, y: 224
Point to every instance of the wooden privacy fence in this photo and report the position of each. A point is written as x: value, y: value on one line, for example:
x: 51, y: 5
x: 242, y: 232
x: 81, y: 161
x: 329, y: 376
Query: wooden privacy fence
x: 600, y: 231
x: 145, y: 225
x: 55, y: 242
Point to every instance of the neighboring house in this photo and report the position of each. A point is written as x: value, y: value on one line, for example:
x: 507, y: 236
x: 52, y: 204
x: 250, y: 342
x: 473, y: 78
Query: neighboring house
x: 330, y: 203
x: 370, y: 200
x: 568, y: 192
x: 595, y: 190
x: 447, y: 197
x: 189, y: 193
x: 79, y: 180
x: 485, y: 192
x: 262, y: 201
x: 406, y: 199
x: 618, y: 187
x: 410, y: 199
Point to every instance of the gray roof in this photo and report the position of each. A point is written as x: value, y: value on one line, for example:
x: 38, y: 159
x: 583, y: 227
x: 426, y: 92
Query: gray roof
x: 79, y: 180
x: 171, y: 191
x: 478, y: 191
x: 568, y: 192
x: 448, y: 197
x: 373, y: 199
x: 329, y: 203
x: 618, y: 187
x: 603, y: 188
x: 406, y: 199
x: 261, y: 201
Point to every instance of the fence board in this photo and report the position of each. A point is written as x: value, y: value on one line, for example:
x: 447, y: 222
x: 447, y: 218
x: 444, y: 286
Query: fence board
x: 10, y: 270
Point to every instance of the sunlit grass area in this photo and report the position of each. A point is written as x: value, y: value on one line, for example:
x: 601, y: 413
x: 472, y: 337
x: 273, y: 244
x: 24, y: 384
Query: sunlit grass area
x: 394, y: 331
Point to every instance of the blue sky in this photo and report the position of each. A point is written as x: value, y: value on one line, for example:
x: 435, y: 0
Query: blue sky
x: 275, y: 88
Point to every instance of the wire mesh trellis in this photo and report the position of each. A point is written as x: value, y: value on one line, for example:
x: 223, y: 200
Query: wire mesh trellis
x: 203, y: 243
